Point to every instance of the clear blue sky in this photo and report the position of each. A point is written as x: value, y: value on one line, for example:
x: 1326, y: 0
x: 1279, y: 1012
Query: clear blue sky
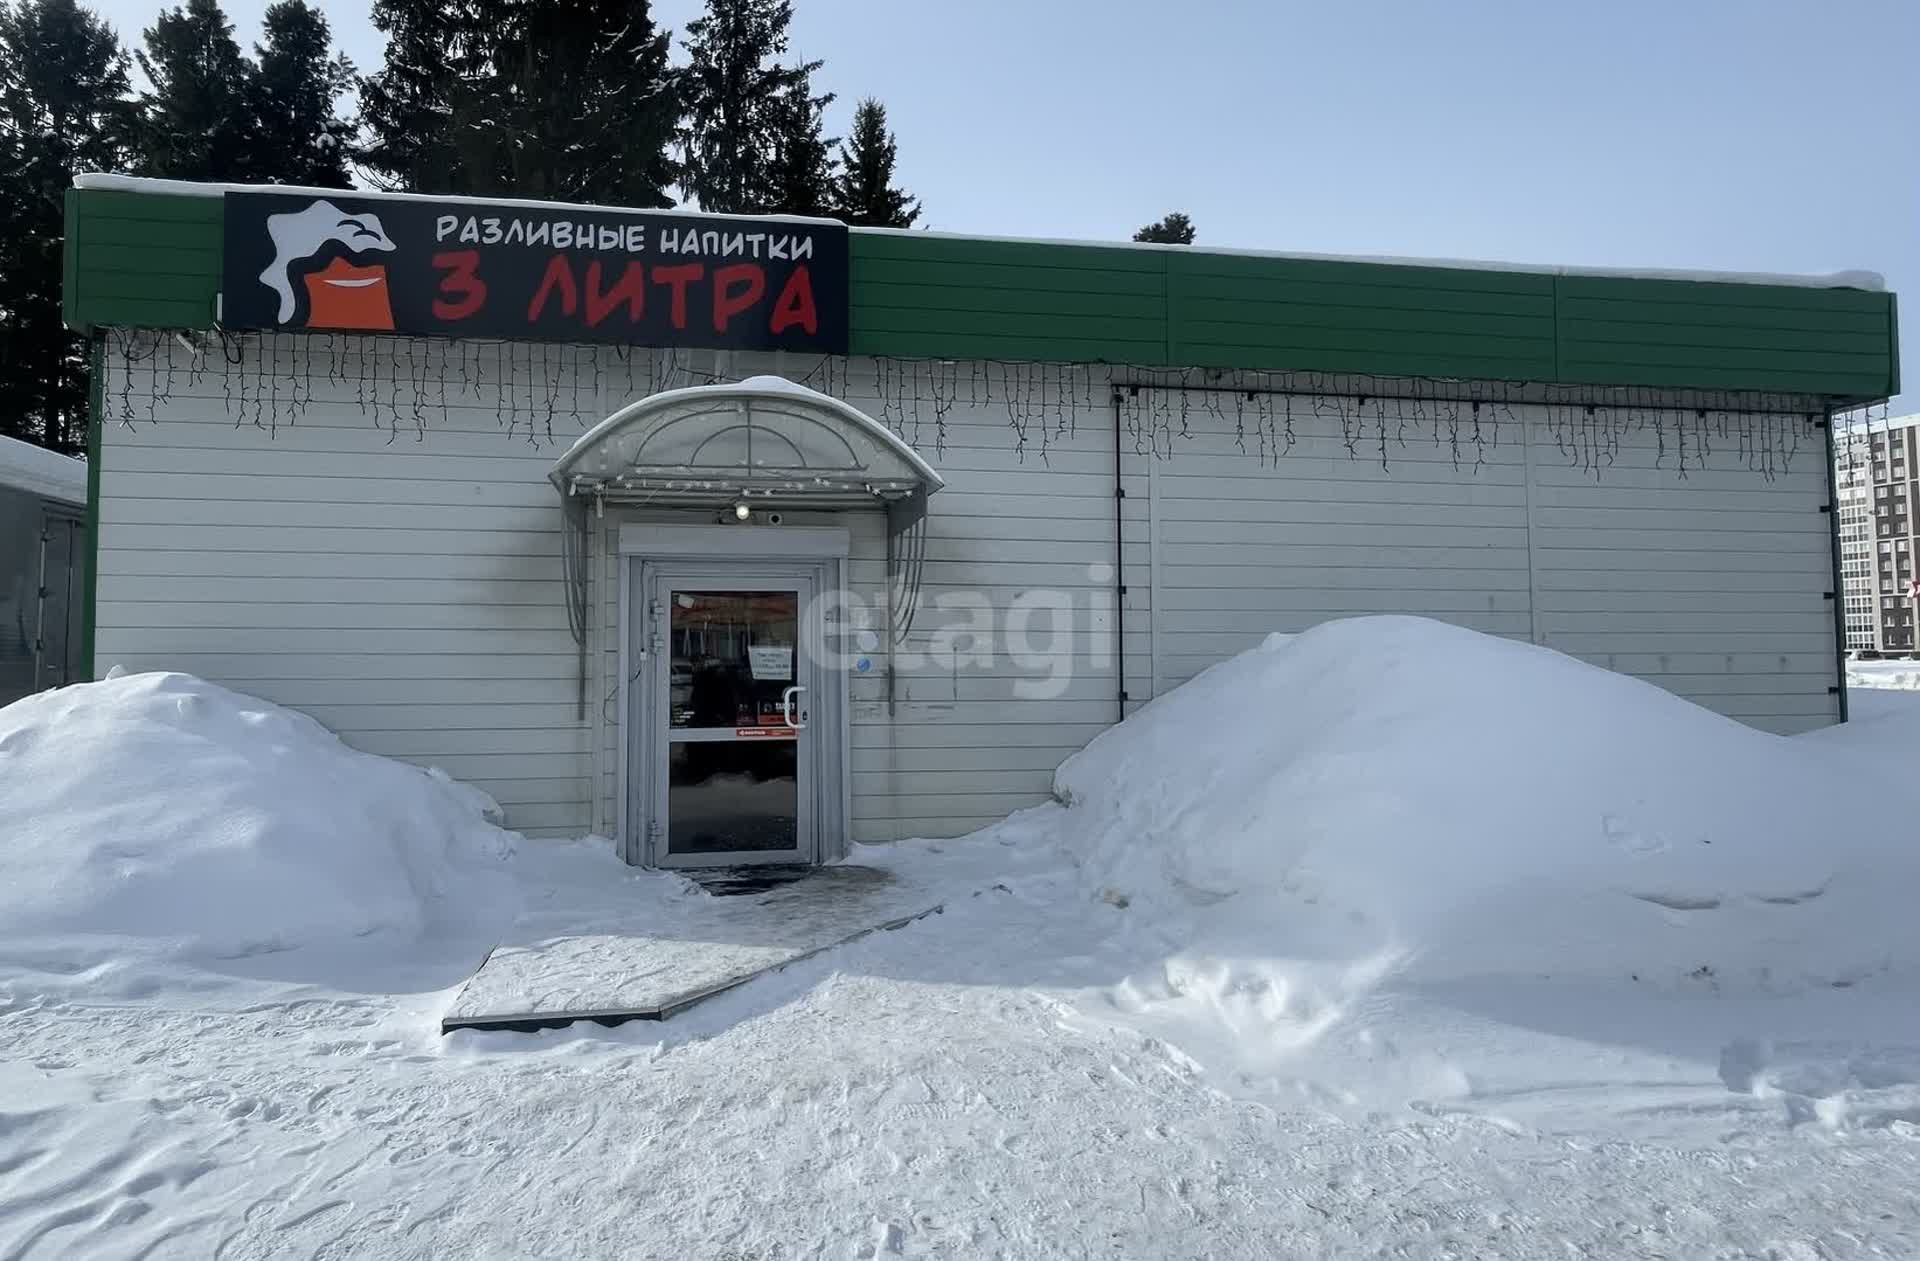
x: 1748, y: 135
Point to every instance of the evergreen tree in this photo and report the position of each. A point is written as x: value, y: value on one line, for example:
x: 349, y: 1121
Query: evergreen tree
x: 63, y: 109
x: 864, y: 193
x: 736, y: 94
x: 800, y: 174
x: 594, y: 104
x: 194, y: 120
x: 1175, y: 229
x: 299, y: 139
x: 565, y: 99
x: 423, y: 104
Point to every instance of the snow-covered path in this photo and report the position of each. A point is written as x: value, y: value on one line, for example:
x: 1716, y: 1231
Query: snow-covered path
x: 970, y: 1086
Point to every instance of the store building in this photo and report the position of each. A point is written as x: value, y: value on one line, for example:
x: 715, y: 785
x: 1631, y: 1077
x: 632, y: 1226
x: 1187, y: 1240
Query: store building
x: 739, y: 539
x: 43, y: 498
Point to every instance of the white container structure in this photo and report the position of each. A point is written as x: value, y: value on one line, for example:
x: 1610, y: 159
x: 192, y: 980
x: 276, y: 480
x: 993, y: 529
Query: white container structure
x: 43, y: 501
x: 745, y: 595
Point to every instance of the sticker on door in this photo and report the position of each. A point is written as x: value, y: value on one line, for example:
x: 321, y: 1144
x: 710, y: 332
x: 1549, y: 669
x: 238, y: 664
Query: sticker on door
x: 770, y: 663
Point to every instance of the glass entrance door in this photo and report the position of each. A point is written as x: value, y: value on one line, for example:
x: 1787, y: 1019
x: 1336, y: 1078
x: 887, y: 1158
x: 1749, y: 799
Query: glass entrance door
x: 733, y: 719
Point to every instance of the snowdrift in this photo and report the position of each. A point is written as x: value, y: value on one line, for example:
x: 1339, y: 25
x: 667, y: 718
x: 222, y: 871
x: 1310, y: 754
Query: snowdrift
x: 1392, y: 788
x: 159, y: 815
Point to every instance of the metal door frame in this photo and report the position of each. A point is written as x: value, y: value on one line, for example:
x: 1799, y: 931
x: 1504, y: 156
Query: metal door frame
x: 720, y: 552
x: 658, y: 584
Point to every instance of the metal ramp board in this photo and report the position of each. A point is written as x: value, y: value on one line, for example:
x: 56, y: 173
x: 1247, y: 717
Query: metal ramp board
x: 664, y: 963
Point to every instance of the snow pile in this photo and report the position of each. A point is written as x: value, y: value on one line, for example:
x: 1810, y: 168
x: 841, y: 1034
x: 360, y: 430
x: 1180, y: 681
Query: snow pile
x: 1883, y: 728
x: 1398, y: 789
x: 157, y: 815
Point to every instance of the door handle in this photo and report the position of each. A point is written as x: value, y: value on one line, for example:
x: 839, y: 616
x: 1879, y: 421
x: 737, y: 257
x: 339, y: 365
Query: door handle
x: 786, y: 709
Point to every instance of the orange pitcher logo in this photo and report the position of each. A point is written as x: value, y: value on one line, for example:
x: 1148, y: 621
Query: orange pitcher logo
x: 320, y: 270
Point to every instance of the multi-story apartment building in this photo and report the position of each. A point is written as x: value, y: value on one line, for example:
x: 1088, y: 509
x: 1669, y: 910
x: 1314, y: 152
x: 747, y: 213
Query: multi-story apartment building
x: 1877, y: 476
x: 1854, y: 519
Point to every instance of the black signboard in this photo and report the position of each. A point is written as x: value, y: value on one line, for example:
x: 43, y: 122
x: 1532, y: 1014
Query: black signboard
x: 528, y: 272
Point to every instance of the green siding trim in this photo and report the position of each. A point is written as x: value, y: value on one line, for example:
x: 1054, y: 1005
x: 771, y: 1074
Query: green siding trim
x: 89, y: 587
x: 1893, y: 344
x: 141, y: 260
x: 150, y: 259
x: 917, y: 295
x: 1367, y: 318
x: 1838, y: 342
x: 945, y: 297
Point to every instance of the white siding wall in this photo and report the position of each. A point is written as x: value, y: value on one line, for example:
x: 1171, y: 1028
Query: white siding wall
x: 1242, y: 547
x: 1711, y: 586
x: 405, y: 588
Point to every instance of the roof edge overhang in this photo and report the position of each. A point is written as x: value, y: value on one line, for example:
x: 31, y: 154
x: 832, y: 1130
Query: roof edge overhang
x: 142, y: 254
x: 1851, y: 278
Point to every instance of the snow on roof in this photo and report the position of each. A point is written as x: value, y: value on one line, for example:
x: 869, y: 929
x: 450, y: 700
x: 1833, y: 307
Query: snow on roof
x: 1836, y: 280
x: 1850, y: 279
x: 761, y: 386
x: 767, y: 383
x: 190, y: 188
x: 39, y: 471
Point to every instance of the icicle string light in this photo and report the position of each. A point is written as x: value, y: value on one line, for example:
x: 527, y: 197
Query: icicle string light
x: 269, y: 379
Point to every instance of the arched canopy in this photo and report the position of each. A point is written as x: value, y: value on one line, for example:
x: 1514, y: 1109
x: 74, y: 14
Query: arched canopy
x: 764, y: 438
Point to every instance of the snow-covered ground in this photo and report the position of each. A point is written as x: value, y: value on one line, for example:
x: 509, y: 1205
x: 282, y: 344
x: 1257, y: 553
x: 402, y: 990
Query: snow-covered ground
x: 1388, y: 939
x: 1902, y: 675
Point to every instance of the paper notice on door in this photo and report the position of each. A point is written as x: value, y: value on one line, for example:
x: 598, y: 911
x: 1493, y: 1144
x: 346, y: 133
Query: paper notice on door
x: 770, y: 663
